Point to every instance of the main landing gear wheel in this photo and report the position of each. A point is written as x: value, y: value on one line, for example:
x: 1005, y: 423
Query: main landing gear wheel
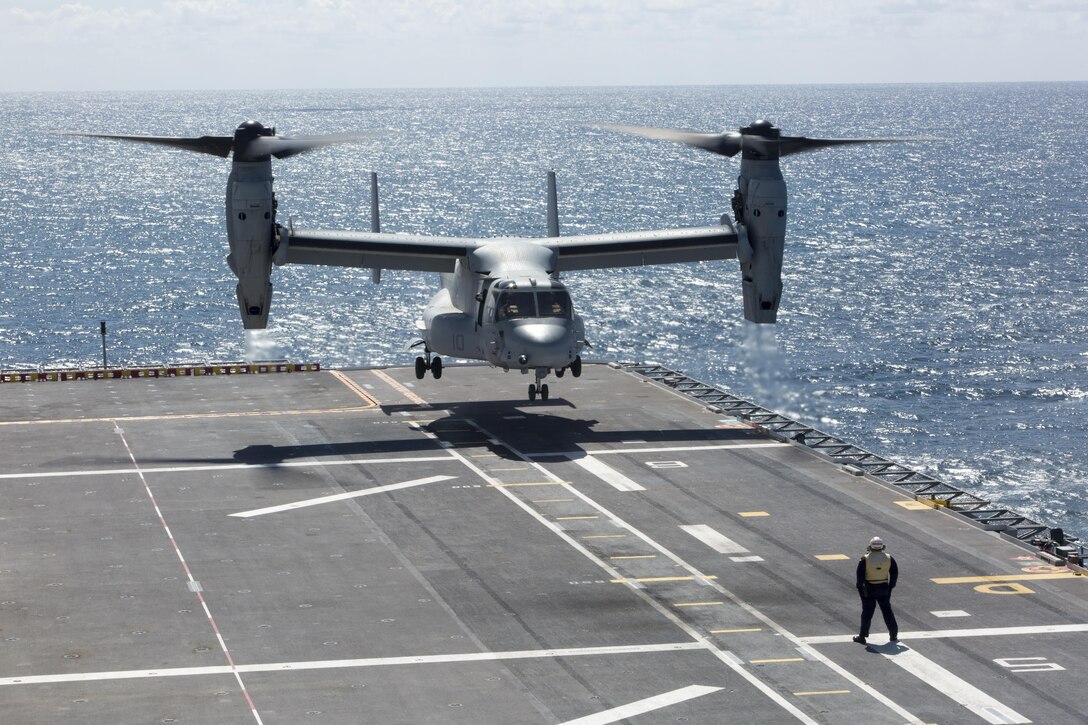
x: 422, y: 366
x: 576, y: 367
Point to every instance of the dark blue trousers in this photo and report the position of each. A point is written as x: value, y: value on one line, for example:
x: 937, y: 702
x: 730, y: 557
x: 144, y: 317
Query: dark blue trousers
x: 878, y: 594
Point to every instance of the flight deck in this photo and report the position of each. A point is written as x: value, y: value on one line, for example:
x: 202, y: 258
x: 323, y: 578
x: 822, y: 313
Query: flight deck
x: 355, y: 546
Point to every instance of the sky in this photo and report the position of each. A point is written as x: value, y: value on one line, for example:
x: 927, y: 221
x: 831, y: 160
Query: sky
x: 95, y: 45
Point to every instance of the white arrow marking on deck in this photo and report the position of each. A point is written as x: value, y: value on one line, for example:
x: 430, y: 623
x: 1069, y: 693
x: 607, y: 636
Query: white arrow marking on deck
x: 961, y: 691
x: 643, y: 706
x: 716, y: 541
x: 606, y: 473
x: 341, y: 496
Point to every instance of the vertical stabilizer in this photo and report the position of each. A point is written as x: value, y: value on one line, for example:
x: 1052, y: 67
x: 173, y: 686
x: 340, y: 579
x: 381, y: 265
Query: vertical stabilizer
x: 375, y: 221
x: 553, y: 206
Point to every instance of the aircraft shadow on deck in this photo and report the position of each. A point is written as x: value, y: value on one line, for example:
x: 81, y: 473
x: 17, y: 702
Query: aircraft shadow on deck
x: 470, y: 425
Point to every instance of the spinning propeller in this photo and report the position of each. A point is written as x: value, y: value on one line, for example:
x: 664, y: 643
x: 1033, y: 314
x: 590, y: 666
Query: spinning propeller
x: 252, y: 141
x: 759, y: 201
x: 760, y: 140
x: 252, y: 231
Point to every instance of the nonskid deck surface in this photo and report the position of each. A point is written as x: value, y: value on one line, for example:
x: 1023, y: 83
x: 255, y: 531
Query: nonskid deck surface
x: 360, y: 546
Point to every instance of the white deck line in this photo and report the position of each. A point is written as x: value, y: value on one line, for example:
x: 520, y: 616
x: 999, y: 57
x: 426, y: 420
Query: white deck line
x: 223, y: 467
x: 352, y: 663
x: 606, y: 473
x: 959, y: 690
x: 953, y: 633
x: 717, y: 541
x: 663, y: 449
x: 640, y: 707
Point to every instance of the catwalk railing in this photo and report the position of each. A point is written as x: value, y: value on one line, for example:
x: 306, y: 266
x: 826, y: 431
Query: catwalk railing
x: 858, y: 461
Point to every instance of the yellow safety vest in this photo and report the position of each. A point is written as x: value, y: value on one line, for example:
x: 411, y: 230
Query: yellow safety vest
x: 878, y: 566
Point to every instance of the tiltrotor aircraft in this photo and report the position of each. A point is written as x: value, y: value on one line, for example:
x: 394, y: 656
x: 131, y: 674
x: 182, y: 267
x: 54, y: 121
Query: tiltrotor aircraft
x: 501, y: 299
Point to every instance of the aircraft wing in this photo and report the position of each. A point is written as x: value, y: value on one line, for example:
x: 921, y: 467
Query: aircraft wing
x: 633, y: 249
x: 374, y: 250
x: 439, y: 254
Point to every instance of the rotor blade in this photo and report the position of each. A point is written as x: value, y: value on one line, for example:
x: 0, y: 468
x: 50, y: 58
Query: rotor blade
x: 214, y: 145
x: 281, y: 147
x: 725, y: 144
x: 798, y: 144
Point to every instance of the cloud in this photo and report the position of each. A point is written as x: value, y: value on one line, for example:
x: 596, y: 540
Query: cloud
x: 119, y: 44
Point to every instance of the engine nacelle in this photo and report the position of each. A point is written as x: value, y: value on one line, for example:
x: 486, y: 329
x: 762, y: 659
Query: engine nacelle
x: 251, y: 214
x: 762, y: 239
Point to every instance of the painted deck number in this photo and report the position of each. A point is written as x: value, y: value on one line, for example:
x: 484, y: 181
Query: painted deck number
x: 1029, y: 664
x: 666, y: 464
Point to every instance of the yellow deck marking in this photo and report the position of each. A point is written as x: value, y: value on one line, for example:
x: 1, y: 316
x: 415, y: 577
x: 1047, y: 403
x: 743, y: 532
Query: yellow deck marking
x: 1002, y: 578
x: 607, y: 536
x: 534, y: 483
x: 553, y: 500
x: 575, y: 518
x: 385, y: 378
x: 733, y: 631
x: 832, y: 557
x: 1003, y: 588
x: 654, y: 579
x: 635, y: 556
x: 492, y: 455
x: 699, y: 604
x: 752, y: 513
x: 822, y: 692
x: 912, y: 505
x: 1043, y: 569
x: 353, y: 386
x: 780, y: 659
x: 191, y: 416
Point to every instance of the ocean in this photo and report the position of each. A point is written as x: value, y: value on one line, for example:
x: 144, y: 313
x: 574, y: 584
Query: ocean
x: 935, y: 307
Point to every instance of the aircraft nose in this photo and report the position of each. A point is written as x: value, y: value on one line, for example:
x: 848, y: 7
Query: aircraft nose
x: 541, y: 345
x: 541, y: 334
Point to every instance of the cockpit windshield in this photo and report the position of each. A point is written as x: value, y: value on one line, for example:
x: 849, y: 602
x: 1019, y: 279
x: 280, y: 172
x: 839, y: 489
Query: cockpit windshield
x: 553, y: 303
x: 513, y: 305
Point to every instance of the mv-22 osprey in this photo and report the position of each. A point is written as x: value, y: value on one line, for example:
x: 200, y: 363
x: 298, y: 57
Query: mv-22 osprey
x: 501, y: 299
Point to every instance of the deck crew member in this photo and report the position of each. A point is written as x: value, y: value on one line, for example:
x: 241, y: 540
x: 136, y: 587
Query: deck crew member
x: 876, y: 576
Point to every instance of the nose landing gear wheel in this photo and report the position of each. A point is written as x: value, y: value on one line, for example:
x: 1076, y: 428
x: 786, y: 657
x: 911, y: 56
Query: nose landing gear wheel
x: 421, y: 368
x: 436, y: 367
x: 544, y: 391
x: 532, y: 392
x: 576, y: 367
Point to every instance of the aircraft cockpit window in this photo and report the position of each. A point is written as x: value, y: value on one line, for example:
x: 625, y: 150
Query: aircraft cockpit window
x: 555, y: 303
x: 515, y: 305
x: 518, y: 305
